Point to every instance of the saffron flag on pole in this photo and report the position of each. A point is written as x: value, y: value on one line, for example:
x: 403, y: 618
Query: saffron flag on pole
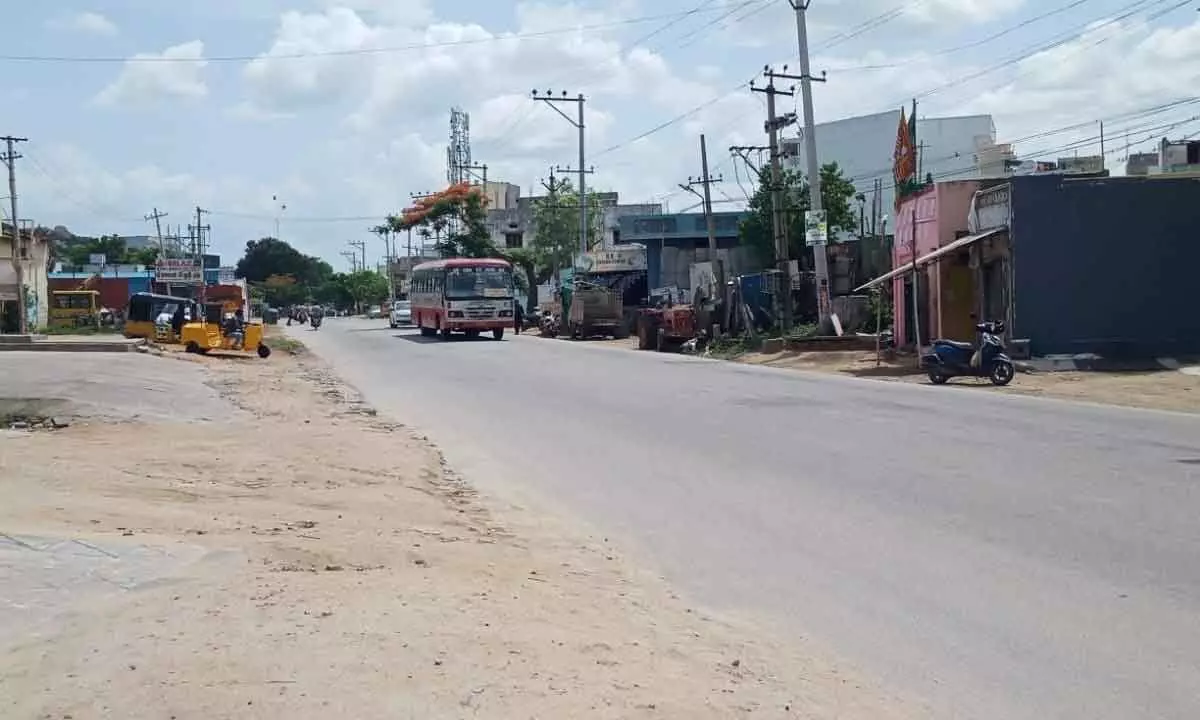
x: 904, y: 157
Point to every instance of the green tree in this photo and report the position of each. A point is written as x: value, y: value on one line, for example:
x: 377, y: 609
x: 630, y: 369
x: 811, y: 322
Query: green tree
x: 471, y: 237
x: 556, y: 226
x: 757, y: 230
x: 367, y: 287
x: 269, y: 256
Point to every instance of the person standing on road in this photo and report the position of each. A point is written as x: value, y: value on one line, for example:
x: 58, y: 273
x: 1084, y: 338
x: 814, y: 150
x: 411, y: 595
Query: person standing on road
x: 518, y: 317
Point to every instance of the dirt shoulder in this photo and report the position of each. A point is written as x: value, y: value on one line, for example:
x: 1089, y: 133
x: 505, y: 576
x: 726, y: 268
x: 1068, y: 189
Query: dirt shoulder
x: 1159, y: 390
x: 274, y: 549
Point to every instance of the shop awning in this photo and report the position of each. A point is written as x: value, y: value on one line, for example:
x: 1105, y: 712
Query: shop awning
x: 932, y: 257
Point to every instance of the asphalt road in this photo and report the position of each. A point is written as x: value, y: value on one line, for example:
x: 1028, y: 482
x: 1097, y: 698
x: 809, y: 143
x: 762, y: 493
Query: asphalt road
x: 999, y: 556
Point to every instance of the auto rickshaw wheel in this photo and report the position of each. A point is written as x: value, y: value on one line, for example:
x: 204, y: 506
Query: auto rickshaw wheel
x: 192, y: 347
x: 264, y: 352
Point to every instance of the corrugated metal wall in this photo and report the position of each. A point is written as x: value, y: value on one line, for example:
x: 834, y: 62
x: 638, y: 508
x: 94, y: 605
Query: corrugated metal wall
x: 1106, y: 266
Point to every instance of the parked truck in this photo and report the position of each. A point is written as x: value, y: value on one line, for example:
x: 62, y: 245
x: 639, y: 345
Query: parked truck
x: 595, y: 310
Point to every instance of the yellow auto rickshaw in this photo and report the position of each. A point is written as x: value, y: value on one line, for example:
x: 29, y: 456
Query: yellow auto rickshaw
x: 219, y: 329
x: 143, y: 313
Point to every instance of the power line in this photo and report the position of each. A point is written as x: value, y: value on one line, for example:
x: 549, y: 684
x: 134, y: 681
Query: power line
x: 1136, y: 7
x: 142, y: 59
x: 510, y: 127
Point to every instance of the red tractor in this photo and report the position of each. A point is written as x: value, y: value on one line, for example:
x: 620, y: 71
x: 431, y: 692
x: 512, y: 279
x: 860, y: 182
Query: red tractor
x: 666, y: 328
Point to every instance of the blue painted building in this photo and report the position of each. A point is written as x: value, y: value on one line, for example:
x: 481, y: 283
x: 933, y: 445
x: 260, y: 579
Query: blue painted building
x: 1099, y: 265
x: 674, y: 242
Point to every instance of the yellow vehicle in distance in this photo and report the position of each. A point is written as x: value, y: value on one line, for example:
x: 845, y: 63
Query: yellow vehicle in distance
x: 215, y: 331
x: 74, y: 308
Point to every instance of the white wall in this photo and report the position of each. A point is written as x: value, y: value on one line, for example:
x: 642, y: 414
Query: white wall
x: 864, y: 147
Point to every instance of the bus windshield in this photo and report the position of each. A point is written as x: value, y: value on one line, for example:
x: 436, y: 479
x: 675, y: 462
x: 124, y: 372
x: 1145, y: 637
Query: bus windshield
x: 474, y: 283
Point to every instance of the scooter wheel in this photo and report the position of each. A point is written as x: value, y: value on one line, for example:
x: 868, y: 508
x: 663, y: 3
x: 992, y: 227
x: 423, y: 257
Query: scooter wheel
x: 937, y: 378
x: 1002, y: 373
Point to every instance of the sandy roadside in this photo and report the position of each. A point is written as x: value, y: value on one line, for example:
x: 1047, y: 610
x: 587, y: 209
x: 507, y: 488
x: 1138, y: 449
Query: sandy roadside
x: 342, y: 570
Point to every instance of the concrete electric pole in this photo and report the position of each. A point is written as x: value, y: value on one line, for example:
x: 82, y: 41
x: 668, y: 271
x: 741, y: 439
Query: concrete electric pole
x: 706, y: 182
x: 361, y: 245
x: 18, y: 243
x: 157, y: 217
x: 579, y: 100
x: 778, y: 219
x: 820, y: 258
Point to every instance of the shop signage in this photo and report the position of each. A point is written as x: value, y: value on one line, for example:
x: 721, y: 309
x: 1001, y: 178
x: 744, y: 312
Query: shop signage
x: 622, y: 259
x: 183, y: 271
x: 990, y: 208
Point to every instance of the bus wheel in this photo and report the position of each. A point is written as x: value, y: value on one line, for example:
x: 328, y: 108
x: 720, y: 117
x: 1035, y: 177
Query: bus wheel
x: 472, y: 334
x: 498, y: 334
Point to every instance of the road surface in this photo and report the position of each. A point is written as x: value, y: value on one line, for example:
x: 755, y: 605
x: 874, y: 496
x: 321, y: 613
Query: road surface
x: 998, y: 556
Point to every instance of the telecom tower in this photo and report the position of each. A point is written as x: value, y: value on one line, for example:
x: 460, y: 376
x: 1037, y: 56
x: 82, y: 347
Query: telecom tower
x: 458, y: 152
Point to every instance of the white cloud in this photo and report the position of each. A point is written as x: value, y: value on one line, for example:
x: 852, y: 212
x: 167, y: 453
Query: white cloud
x: 373, y: 123
x: 175, y: 73
x: 90, y: 23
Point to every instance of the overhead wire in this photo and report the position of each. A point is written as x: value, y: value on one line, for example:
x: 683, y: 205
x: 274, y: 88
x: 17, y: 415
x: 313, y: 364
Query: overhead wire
x: 409, y: 47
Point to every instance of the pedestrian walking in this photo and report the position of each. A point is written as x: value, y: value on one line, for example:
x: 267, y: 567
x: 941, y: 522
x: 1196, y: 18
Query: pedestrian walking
x: 518, y: 316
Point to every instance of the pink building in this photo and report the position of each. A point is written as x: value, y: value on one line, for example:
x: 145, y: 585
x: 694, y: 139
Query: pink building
x: 946, y: 288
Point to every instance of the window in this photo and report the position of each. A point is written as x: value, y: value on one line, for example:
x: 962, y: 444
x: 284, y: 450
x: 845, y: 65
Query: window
x: 466, y: 283
x: 513, y: 240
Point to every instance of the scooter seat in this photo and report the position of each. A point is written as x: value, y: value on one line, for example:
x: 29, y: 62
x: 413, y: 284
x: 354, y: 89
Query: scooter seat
x: 954, y: 344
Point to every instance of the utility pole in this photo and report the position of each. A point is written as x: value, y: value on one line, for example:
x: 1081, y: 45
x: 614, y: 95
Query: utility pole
x: 820, y: 258
x: 772, y: 127
x: 352, y: 257
x: 157, y: 217
x: 710, y: 222
x: 362, y: 247
x: 18, y: 243
x: 280, y: 207
x: 478, y: 169
x: 743, y: 151
x: 583, y: 204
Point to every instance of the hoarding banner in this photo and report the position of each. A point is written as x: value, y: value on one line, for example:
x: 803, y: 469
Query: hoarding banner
x: 183, y: 271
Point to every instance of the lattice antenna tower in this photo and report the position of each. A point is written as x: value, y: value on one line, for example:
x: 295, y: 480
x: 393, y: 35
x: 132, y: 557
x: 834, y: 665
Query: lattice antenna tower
x: 458, y: 152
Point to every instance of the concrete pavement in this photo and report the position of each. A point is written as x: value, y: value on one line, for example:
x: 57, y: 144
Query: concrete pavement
x: 998, y: 556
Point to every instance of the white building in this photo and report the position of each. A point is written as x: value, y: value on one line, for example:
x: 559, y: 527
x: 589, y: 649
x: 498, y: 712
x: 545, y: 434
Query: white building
x: 33, y: 267
x: 951, y: 148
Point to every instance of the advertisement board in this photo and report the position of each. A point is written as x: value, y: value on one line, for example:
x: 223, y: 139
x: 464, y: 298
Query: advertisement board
x: 225, y: 275
x: 816, y: 229
x: 620, y: 259
x: 179, y: 271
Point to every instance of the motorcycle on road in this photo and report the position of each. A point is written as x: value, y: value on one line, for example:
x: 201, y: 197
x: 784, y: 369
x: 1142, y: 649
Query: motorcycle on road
x: 987, y: 359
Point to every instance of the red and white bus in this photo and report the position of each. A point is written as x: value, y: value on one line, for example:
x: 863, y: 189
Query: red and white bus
x: 464, y: 295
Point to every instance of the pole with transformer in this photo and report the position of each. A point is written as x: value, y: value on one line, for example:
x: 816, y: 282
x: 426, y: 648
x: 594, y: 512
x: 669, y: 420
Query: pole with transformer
x: 706, y: 181
x: 772, y: 126
x: 820, y: 259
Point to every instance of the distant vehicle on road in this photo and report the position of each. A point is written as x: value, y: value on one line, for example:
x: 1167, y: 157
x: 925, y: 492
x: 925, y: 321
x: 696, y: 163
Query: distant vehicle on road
x: 401, y: 314
x: 466, y: 295
x: 374, y: 312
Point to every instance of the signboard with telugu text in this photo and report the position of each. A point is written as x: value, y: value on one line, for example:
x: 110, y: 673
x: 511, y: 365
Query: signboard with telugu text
x: 180, y: 271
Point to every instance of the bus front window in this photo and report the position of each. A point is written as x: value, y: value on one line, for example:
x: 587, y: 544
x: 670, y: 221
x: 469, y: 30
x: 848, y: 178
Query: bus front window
x: 478, y: 283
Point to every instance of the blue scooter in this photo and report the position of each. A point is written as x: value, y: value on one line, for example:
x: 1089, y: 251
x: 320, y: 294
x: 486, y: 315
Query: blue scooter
x: 955, y: 359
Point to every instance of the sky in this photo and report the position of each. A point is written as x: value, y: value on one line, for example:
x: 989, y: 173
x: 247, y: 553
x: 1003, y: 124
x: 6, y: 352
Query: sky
x: 339, y: 109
